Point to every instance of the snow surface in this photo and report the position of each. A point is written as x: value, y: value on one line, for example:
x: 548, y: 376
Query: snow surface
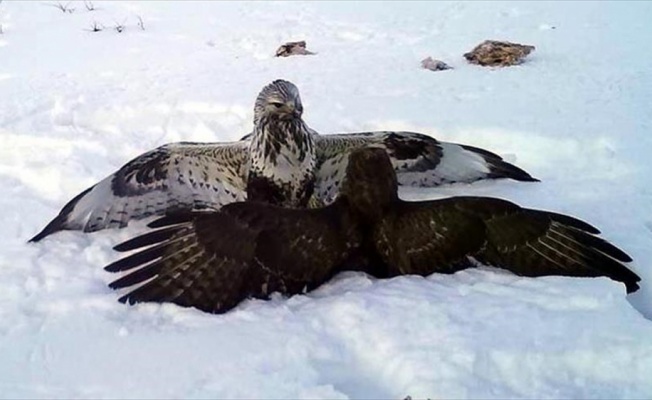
x: 76, y: 105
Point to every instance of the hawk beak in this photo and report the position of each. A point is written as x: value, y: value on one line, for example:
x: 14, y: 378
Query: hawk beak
x: 297, y: 110
x: 289, y: 111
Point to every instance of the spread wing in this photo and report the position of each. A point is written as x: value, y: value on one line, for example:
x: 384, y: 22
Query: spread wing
x: 445, y: 235
x: 174, y: 176
x: 418, y: 160
x: 213, y: 260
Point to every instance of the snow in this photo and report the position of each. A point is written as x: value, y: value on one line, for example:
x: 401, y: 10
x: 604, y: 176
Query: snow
x: 76, y: 105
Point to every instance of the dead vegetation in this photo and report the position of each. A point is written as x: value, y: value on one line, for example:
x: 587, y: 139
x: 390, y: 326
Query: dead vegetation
x: 96, y: 27
x: 119, y: 26
x: 65, y: 8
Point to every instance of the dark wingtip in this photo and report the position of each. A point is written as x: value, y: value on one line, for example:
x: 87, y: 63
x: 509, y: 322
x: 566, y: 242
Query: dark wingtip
x: 607, y: 259
x: 604, y: 247
x: 115, y: 266
x: 55, y: 225
x: 500, y: 168
x: 126, y: 299
x: 630, y: 279
x: 503, y: 169
x: 631, y: 286
x: 58, y: 223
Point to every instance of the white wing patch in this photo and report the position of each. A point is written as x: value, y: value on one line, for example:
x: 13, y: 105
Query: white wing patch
x: 455, y: 165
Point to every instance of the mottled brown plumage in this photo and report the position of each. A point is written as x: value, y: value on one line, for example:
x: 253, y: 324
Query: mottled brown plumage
x: 213, y: 260
x: 258, y: 249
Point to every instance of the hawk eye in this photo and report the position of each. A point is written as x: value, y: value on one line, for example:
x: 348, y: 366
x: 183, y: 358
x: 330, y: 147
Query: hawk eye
x: 277, y: 105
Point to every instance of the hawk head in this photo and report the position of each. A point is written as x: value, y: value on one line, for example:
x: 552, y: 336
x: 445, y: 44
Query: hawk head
x: 370, y: 183
x: 282, y: 153
x: 279, y: 100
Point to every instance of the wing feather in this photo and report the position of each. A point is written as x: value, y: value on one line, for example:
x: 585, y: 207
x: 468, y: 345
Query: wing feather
x: 179, y: 176
x: 214, y: 260
x: 497, y: 232
x: 147, y: 239
x: 179, y: 267
x: 427, y: 237
x: 418, y: 159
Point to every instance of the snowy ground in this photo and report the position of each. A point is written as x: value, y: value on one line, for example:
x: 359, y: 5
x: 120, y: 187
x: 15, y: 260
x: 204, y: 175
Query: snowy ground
x: 75, y: 105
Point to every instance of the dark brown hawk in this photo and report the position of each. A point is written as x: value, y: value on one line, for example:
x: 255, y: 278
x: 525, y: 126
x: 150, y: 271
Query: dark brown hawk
x: 214, y: 260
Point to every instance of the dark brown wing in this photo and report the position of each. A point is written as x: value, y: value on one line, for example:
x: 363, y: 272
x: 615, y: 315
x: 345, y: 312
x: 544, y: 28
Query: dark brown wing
x: 537, y: 243
x: 427, y: 237
x: 439, y: 236
x: 214, y: 260
x: 190, y: 263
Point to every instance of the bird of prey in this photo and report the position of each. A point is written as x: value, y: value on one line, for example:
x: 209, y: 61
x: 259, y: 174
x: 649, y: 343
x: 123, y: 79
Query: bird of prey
x: 212, y: 260
x: 283, y: 160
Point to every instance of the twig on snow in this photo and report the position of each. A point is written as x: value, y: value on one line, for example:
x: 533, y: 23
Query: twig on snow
x: 141, y: 24
x: 96, y: 27
x: 64, y: 8
x: 119, y: 27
